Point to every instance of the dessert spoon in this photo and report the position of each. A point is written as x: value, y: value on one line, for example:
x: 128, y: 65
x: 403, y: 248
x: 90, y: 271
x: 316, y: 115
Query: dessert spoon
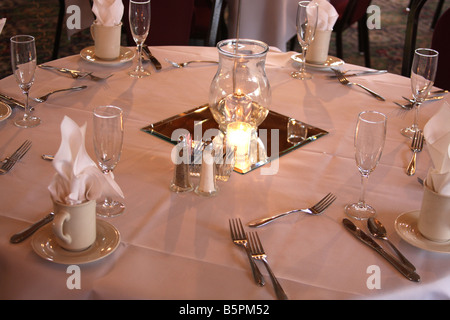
x: 377, y: 229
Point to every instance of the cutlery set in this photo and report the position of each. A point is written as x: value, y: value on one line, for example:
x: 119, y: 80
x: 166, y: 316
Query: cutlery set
x: 253, y: 246
x: 255, y: 251
x: 408, y: 270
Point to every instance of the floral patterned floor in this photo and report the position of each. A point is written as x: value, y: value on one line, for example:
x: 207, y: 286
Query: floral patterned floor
x: 39, y: 18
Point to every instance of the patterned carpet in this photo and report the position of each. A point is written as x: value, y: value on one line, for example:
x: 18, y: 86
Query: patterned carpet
x: 39, y: 18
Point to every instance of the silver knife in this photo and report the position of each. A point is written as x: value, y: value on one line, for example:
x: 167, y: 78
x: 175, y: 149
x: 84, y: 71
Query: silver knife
x: 152, y: 57
x: 368, y: 72
x: 11, y: 101
x: 366, y: 239
x: 19, y: 237
x: 430, y: 98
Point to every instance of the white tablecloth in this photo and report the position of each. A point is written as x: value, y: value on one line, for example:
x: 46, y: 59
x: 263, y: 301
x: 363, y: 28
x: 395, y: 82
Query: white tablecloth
x: 271, y: 21
x: 178, y: 246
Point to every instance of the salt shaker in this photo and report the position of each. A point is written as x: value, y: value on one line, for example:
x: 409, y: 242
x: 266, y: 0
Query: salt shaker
x: 207, y: 186
x: 181, y: 177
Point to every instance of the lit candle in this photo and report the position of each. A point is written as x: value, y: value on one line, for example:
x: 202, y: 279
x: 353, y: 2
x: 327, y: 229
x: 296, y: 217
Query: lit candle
x: 238, y: 138
x: 238, y: 106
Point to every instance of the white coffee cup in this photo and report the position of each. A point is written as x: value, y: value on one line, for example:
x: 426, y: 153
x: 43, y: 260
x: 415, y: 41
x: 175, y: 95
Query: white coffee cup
x: 318, y: 49
x: 434, y: 216
x: 107, y: 40
x: 75, y: 225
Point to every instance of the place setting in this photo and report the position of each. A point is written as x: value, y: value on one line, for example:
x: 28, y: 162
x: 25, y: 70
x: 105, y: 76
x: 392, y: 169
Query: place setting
x: 428, y: 227
x: 315, y: 21
x: 72, y: 233
x: 106, y: 33
x: 23, y: 62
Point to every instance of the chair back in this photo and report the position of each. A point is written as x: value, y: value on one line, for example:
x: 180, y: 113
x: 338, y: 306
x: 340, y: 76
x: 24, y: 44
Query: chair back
x: 208, y: 22
x: 440, y: 42
x: 350, y: 11
x: 411, y: 35
x: 170, y: 22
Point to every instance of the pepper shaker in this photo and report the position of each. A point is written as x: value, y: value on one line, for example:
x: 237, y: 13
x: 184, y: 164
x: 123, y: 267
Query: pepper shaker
x: 181, y: 178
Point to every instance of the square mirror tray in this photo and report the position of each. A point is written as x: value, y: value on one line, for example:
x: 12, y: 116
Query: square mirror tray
x: 199, y: 121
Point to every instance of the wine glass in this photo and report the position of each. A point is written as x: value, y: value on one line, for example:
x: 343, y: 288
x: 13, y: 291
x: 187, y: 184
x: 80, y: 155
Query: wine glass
x: 423, y: 73
x: 370, y: 135
x: 307, y: 13
x: 139, y: 16
x: 108, y: 140
x: 23, y: 62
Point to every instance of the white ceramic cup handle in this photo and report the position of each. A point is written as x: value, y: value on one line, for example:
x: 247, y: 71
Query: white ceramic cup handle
x: 58, y: 224
x: 92, y: 32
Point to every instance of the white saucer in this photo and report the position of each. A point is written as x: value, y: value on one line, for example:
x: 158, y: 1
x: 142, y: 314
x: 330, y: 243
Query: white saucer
x: 330, y: 63
x: 45, y: 245
x: 5, y: 111
x: 406, y: 227
x: 88, y: 54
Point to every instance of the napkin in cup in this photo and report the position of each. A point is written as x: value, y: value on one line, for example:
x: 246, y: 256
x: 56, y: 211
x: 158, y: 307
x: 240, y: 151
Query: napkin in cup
x: 108, y: 12
x: 2, y: 24
x: 437, y: 136
x: 77, y: 178
x: 327, y: 15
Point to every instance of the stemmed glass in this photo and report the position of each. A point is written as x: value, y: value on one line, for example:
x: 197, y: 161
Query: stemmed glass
x: 139, y: 15
x: 307, y: 13
x: 370, y: 135
x: 423, y: 73
x: 23, y: 62
x: 108, y: 139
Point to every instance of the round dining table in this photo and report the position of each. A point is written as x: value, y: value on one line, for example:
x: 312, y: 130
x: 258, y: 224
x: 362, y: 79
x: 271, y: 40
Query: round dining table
x: 177, y: 246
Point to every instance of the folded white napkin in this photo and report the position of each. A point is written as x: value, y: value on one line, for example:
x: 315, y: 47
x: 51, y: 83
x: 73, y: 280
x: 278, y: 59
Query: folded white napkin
x: 437, y: 137
x: 77, y: 178
x: 2, y: 24
x: 327, y: 15
x: 108, y: 12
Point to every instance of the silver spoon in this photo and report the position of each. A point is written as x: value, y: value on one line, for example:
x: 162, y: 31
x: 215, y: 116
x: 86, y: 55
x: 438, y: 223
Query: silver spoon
x: 19, y: 237
x: 377, y: 229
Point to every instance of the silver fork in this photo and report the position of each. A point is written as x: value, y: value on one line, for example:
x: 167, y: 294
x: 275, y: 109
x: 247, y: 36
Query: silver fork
x: 239, y: 238
x: 45, y: 97
x: 73, y: 73
x: 416, y: 146
x: 342, y: 79
x: 259, y: 254
x: 316, y: 209
x: 184, y: 64
x: 10, y: 161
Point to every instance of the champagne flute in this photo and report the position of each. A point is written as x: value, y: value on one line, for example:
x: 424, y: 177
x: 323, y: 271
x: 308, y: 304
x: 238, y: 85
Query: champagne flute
x: 23, y: 62
x: 423, y: 73
x: 307, y: 13
x: 370, y: 135
x: 108, y: 140
x: 139, y: 16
